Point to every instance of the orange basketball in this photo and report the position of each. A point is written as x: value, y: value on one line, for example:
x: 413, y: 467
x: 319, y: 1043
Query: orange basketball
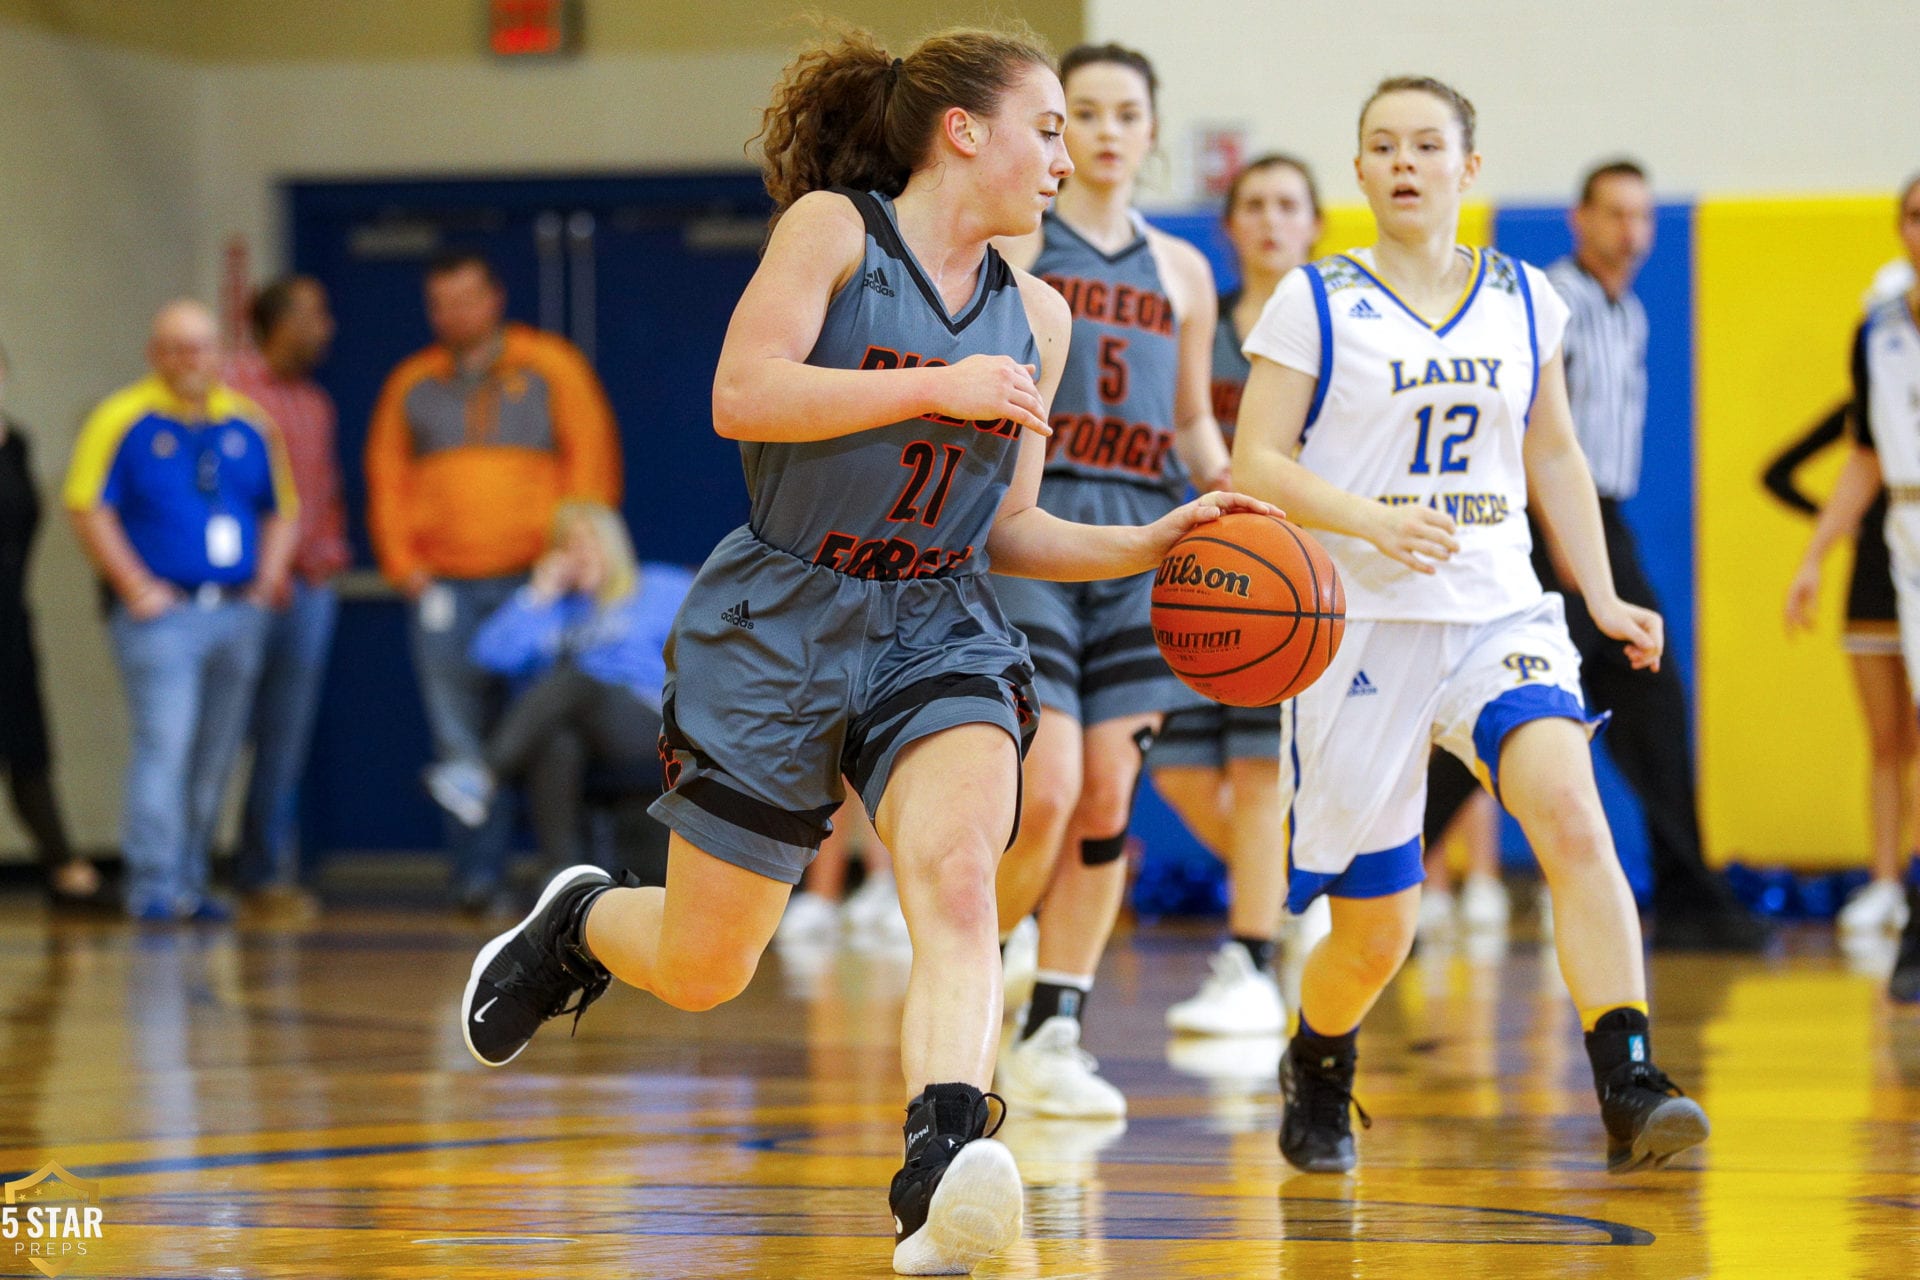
x: 1248, y: 610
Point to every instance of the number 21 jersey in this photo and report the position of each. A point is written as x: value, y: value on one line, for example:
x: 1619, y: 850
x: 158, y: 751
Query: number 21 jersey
x: 912, y: 499
x: 1409, y: 412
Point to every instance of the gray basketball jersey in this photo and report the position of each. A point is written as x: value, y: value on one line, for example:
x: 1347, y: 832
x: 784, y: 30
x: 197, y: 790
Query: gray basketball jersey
x: 1230, y: 369
x: 1113, y: 414
x: 917, y: 498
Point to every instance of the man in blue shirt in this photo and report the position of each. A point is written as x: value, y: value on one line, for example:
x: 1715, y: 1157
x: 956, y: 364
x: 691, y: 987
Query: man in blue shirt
x: 181, y: 495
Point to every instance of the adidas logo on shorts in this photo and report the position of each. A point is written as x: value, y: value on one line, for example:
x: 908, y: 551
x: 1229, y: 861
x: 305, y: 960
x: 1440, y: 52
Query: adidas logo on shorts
x: 1363, y: 310
x: 1362, y: 687
x: 876, y: 280
x: 740, y: 616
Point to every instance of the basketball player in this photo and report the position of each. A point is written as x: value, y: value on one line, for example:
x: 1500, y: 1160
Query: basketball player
x: 1216, y: 766
x: 888, y: 377
x: 1133, y: 419
x: 1886, y: 423
x: 1871, y: 640
x: 1405, y: 399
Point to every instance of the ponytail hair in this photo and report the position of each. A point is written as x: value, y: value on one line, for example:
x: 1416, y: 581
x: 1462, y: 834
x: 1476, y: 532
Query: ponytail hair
x: 847, y: 114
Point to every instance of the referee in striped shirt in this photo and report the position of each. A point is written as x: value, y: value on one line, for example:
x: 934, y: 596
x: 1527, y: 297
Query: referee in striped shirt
x: 1650, y: 738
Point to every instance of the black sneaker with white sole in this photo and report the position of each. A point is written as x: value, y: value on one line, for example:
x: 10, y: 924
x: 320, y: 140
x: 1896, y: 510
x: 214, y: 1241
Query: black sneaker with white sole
x: 1649, y: 1119
x: 1316, y: 1122
x: 1904, y: 983
x: 537, y: 970
x: 957, y: 1200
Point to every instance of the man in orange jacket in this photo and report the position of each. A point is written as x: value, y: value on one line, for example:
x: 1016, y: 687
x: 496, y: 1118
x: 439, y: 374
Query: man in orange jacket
x: 475, y: 441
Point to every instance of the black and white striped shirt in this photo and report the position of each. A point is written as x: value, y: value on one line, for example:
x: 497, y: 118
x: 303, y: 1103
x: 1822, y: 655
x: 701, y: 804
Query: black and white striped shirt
x: 1606, y: 358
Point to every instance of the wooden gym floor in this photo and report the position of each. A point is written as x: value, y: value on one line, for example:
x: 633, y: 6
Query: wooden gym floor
x: 297, y: 1103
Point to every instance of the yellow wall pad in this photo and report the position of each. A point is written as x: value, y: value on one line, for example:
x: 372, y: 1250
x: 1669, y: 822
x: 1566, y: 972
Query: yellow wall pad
x: 1782, y: 748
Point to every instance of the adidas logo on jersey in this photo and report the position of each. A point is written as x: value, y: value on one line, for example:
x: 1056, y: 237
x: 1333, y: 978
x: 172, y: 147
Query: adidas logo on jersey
x: 739, y: 616
x: 1362, y: 687
x: 1363, y: 310
x: 876, y: 280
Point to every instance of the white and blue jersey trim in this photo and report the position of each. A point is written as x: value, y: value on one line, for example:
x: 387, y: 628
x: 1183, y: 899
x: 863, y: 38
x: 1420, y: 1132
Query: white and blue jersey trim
x: 1324, y: 312
x: 1523, y: 705
x: 1533, y: 339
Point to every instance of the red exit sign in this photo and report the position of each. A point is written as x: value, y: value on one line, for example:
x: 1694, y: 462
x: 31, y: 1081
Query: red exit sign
x: 533, y: 28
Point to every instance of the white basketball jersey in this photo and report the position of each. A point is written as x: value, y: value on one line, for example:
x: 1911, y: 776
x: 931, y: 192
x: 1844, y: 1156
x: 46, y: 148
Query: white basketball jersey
x: 1887, y: 389
x: 1409, y: 412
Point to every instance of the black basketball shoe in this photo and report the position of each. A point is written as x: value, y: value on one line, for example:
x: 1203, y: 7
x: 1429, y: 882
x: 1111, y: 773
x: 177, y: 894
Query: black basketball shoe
x: 529, y: 973
x: 1316, y: 1127
x: 1649, y: 1119
x: 957, y: 1199
x: 1904, y: 985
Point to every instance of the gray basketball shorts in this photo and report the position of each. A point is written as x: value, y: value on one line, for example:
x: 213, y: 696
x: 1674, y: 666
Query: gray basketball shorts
x: 1092, y: 642
x: 787, y: 679
x: 1210, y: 736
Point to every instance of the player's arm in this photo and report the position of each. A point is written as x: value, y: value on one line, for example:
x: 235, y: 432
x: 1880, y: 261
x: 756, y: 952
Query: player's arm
x: 1196, y: 438
x: 1028, y: 541
x: 1859, y: 483
x: 1562, y: 494
x: 1273, y: 414
x: 764, y: 389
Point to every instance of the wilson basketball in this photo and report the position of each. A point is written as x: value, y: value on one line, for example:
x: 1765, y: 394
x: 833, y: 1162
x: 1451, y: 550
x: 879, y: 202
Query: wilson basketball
x: 1248, y: 610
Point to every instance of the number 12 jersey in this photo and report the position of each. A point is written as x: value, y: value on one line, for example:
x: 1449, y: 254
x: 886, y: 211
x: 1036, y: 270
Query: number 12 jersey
x: 1407, y: 411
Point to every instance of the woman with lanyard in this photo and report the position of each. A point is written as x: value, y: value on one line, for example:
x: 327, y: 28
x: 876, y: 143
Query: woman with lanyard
x: 1132, y: 420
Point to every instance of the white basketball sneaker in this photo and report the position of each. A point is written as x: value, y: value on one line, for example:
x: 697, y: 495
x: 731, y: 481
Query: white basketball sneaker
x: 809, y: 920
x: 1020, y: 961
x: 1300, y: 934
x: 1436, y: 914
x: 1879, y: 906
x: 1048, y: 1074
x: 1484, y: 903
x: 1236, y: 1000
x: 873, y: 916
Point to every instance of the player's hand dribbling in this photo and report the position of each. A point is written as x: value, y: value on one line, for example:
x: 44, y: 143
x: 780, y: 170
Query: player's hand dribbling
x: 988, y: 388
x: 1174, y: 525
x: 1643, y: 630
x: 1418, y: 537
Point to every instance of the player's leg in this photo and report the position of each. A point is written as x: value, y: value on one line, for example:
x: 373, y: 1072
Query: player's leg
x: 1880, y: 681
x: 948, y: 809
x: 1188, y: 766
x: 1546, y: 781
x: 1354, y: 782
x: 1050, y: 793
x: 1198, y: 797
x: 1512, y: 706
x: 1241, y: 995
x: 1045, y: 1069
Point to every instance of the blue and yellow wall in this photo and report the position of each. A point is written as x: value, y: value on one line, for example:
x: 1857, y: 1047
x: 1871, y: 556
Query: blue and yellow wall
x: 1752, y: 304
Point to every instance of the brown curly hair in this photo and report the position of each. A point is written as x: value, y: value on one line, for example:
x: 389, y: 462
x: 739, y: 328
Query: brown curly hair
x: 846, y: 114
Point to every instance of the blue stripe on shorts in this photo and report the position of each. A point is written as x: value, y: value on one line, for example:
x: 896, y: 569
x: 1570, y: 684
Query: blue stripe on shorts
x: 1369, y: 875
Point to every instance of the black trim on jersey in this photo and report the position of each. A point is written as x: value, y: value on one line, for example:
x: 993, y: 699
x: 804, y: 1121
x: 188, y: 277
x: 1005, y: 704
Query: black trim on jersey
x: 1229, y: 302
x: 1050, y: 217
x: 998, y: 275
x: 1862, y: 386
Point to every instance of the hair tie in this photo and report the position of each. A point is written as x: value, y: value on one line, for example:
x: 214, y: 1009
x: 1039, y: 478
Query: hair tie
x: 893, y: 74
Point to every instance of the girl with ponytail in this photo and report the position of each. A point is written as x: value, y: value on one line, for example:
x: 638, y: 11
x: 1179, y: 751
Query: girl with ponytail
x: 887, y: 375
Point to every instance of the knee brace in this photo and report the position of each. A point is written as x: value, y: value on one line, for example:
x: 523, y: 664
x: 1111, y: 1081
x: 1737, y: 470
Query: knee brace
x: 1098, y: 853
